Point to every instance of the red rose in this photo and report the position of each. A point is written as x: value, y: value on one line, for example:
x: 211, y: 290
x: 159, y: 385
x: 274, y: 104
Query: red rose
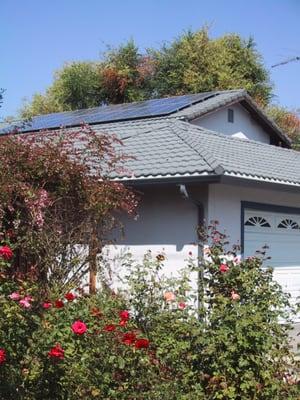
x: 59, y: 304
x: 123, y: 322
x: 79, y: 327
x: 129, y: 338
x: 142, y: 344
x: 223, y: 268
x: 56, y: 352
x: 2, y: 356
x: 181, y: 306
x: 70, y: 296
x: 109, y: 328
x: 46, y: 305
x: 124, y: 315
x: 6, y: 252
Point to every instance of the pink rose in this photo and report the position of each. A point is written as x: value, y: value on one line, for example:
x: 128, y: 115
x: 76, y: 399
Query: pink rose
x: 15, y: 296
x: 47, y: 305
x: 223, y: 268
x: 169, y: 296
x: 79, y: 327
x: 181, y: 305
x: 235, y: 296
x: 24, y: 303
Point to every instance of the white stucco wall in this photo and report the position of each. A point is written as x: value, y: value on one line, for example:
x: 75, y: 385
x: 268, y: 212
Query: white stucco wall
x: 244, y: 126
x: 224, y: 204
x: 166, y: 223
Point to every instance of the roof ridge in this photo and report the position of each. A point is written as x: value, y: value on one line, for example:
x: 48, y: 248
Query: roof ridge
x: 230, y: 138
x: 211, y: 163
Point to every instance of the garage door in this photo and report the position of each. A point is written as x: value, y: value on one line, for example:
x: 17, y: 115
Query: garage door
x: 281, y: 233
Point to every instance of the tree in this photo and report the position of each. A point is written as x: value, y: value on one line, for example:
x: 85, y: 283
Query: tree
x: 289, y: 122
x: 192, y: 63
x: 57, y: 199
x: 196, y: 63
x: 77, y: 85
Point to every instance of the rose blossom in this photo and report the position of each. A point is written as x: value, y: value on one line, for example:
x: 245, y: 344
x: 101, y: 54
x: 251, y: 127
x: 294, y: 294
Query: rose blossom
x: 129, y: 338
x: 142, y: 344
x: 70, y: 296
x: 59, y: 304
x: 123, y: 322
x: 181, y: 305
x: 47, y: 305
x: 109, y: 328
x: 56, y: 352
x: 124, y: 315
x: 79, y: 327
x: 6, y: 252
x: 15, y: 296
x: 2, y: 356
x: 235, y: 296
x: 169, y: 296
x: 223, y: 268
x: 25, y: 302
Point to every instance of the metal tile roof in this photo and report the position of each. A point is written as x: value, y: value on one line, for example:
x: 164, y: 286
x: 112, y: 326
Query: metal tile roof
x: 174, y: 148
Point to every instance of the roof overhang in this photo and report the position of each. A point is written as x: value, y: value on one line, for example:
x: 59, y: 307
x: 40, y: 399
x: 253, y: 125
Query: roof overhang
x: 225, y: 178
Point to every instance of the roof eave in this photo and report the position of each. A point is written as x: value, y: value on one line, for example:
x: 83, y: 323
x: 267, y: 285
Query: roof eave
x: 167, y: 180
x: 250, y: 105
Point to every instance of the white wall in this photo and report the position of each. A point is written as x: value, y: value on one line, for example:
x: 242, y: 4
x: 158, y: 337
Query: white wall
x: 244, y: 126
x: 166, y: 223
x: 224, y: 204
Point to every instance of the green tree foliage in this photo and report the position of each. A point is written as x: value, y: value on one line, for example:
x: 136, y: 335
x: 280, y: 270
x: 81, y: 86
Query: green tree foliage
x: 196, y: 63
x: 77, y: 85
x: 192, y: 63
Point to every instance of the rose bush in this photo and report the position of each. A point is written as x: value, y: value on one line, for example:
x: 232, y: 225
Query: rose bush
x: 150, y: 339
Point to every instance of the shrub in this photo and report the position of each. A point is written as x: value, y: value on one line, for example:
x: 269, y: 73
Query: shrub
x: 58, y: 201
x: 148, y: 340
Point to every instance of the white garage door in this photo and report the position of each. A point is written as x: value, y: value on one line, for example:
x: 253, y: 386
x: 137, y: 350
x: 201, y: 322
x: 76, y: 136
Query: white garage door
x: 281, y: 233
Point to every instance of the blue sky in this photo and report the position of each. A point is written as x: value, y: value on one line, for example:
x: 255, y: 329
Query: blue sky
x: 37, y: 37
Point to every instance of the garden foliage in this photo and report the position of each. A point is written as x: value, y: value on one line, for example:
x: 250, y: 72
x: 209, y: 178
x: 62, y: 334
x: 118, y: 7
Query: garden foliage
x: 57, y: 198
x: 147, y: 340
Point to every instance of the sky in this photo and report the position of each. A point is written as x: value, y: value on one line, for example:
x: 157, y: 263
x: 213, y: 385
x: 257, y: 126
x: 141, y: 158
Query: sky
x: 38, y: 37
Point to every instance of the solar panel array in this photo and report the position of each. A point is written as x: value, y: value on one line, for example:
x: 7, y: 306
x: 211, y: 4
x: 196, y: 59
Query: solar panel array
x: 111, y: 113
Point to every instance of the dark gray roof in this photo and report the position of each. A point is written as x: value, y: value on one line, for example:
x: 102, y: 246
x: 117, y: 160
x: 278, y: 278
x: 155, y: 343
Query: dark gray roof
x: 186, y: 107
x: 173, y: 148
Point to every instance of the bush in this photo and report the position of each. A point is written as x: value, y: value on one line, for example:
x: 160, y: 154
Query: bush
x: 148, y: 340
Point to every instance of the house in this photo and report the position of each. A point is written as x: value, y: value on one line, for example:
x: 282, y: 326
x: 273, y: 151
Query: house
x: 202, y: 157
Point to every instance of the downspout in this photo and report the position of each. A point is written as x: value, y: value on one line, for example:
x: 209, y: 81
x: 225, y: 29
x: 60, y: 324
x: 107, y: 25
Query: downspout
x: 200, y: 223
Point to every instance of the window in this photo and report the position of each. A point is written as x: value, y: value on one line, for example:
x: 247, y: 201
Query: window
x: 288, y: 224
x: 258, y: 221
x: 230, y: 115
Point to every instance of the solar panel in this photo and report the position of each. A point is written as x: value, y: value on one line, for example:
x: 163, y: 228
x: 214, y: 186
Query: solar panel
x: 111, y: 113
